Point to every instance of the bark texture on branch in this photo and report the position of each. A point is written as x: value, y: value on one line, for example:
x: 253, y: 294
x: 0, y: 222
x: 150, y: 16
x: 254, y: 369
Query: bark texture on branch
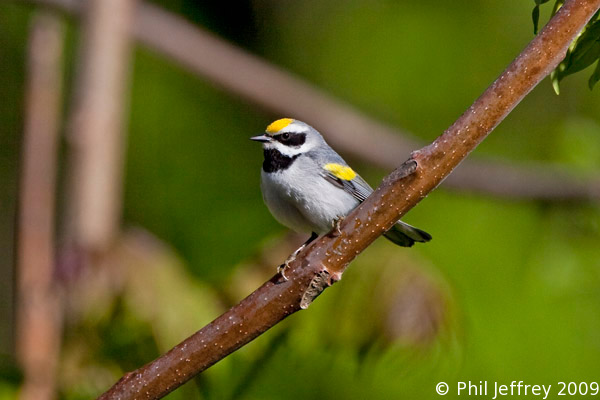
x: 39, y: 317
x: 323, y: 262
x: 346, y: 128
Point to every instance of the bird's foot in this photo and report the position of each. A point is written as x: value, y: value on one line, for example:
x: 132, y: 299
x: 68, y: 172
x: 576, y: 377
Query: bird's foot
x: 286, y: 265
x: 283, y: 267
x: 336, y: 226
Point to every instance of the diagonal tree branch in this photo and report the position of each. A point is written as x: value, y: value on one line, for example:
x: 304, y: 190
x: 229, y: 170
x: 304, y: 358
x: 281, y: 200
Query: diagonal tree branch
x: 324, y: 261
x: 348, y: 130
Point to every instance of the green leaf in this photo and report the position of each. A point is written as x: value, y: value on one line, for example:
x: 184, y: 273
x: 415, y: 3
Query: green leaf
x: 595, y: 77
x: 556, y: 7
x: 586, y: 50
x: 535, y: 16
x: 583, y: 52
x: 554, y: 77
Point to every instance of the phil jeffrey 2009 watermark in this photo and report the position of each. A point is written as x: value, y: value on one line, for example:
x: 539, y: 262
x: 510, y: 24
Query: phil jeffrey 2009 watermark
x: 495, y: 390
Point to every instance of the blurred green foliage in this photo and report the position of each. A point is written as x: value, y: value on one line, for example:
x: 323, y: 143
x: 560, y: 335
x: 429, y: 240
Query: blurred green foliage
x: 506, y: 290
x: 13, y: 28
x: 195, y: 143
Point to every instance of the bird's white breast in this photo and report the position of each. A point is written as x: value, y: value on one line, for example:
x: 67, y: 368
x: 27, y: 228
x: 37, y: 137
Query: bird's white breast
x: 300, y: 198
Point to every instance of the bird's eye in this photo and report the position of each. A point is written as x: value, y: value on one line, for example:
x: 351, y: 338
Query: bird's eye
x: 285, y: 136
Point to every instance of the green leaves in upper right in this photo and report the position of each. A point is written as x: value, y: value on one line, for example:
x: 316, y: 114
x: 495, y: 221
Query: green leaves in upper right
x: 583, y: 52
x: 535, y: 14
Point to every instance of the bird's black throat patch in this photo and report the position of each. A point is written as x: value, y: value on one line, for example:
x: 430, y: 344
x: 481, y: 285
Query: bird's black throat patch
x: 275, y: 161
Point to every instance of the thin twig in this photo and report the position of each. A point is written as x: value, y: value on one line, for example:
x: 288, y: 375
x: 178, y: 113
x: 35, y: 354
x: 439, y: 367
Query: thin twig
x: 323, y: 262
x: 345, y: 127
x: 39, y: 318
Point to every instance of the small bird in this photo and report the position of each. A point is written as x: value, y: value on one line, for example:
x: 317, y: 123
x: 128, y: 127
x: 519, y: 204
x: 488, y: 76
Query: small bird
x: 308, y: 187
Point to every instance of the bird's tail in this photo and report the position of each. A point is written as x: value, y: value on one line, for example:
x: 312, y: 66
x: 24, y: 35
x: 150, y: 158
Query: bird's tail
x: 406, y: 235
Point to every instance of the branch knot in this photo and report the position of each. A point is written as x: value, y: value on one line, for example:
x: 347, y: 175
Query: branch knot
x: 319, y: 283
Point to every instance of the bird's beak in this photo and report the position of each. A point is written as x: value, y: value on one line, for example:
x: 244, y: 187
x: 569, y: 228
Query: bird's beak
x: 261, y: 138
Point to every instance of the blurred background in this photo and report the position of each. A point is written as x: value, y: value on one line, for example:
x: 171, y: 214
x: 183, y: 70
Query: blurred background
x: 131, y: 213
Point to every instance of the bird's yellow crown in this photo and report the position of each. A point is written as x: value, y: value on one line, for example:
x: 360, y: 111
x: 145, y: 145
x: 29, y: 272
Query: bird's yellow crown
x: 279, y: 125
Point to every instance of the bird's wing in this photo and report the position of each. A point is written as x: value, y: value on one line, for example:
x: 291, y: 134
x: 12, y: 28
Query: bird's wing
x: 345, y: 178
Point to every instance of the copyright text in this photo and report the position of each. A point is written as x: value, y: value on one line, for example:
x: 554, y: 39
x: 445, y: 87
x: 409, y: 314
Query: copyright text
x: 495, y: 390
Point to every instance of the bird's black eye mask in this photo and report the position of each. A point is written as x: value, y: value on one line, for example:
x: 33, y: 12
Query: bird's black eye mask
x: 291, y: 139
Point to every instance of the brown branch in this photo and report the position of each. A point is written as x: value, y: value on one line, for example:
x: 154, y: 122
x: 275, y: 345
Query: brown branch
x: 324, y: 261
x: 96, y: 124
x: 39, y: 318
x: 346, y: 128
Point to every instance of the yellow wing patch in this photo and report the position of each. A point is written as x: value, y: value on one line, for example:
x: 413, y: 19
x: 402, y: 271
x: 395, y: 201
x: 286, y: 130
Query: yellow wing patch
x: 340, y: 171
x: 279, y: 125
